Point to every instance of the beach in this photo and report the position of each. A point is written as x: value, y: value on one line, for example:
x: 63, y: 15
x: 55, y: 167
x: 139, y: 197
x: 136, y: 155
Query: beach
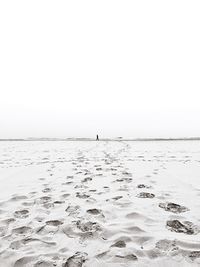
x: 99, y: 204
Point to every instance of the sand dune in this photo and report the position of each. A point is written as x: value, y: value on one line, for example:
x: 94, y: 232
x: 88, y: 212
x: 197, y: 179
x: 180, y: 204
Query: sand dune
x: 99, y: 204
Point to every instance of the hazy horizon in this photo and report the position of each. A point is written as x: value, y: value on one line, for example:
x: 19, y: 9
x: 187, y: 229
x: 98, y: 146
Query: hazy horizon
x: 103, y: 138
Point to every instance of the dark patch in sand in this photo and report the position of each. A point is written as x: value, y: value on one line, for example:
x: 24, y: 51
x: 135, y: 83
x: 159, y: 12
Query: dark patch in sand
x: 117, y: 197
x: 119, y: 244
x: 82, y: 195
x: 22, y: 230
x: 21, y: 214
x: 145, y: 195
x: 59, y: 202
x: 129, y: 257
x: 94, y: 211
x: 175, y: 208
x: 88, y: 226
x: 143, y: 186
x: 54, y: 222
x: 178, y: 227
x: 194, y: 254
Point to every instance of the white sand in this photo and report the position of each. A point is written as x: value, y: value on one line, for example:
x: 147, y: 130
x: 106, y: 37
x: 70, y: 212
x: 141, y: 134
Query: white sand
x: 79, y: 204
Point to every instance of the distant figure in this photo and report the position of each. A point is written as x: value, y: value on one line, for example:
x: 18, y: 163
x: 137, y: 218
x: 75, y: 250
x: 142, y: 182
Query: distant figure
x: 97, y: 139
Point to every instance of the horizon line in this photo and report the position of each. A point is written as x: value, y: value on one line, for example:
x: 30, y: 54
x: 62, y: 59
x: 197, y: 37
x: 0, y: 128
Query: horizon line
x: 102, y: 139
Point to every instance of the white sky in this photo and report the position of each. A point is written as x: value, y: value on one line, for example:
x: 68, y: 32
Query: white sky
x: 117, y: 68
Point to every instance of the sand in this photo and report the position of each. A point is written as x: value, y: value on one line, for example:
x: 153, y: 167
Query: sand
x: 99, y: 204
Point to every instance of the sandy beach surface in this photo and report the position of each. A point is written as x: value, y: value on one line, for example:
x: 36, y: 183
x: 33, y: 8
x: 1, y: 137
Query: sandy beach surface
x: 99, y: 204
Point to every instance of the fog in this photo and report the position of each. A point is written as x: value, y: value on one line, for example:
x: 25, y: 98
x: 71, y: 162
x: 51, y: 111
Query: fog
x: 116, y: 68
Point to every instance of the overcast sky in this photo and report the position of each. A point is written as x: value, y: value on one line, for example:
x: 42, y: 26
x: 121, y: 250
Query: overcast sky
x: 117, y: 68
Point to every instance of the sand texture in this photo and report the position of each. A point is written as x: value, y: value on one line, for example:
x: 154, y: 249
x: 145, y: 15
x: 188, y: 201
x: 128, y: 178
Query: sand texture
x: 99, y: 204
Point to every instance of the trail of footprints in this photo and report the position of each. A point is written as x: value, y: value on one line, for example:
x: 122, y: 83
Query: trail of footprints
x: 30, y: 224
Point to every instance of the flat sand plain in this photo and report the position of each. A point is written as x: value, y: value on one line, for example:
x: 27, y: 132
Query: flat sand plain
x: 99, y: 204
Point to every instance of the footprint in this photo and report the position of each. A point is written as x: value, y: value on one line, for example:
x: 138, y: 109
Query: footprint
x: 88, y: 226
x: 22, y: 230
x: 145, y: 195
x: 21, y: 214
x: 46, y: 190
x: 166, y: 245
x: 44, y: 200
x: 175, y: 208
x: 77, y: 260
x: 185, y: 227
x: 92, y: 190
x: 73, y: 210
x: 194, y: 254
x: 117, y: 197
x: 54, y: 222
x: 70, y: 177
x: 143, y: 186
x: 119, y: 180
x: 58, y: 202
x: 94, y: 211
x: 119, y: 244
x: 86, y: 180
x: 82, y: 195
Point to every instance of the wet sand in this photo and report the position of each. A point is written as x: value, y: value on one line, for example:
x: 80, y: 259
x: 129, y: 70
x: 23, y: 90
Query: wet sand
x: 96, y: 204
